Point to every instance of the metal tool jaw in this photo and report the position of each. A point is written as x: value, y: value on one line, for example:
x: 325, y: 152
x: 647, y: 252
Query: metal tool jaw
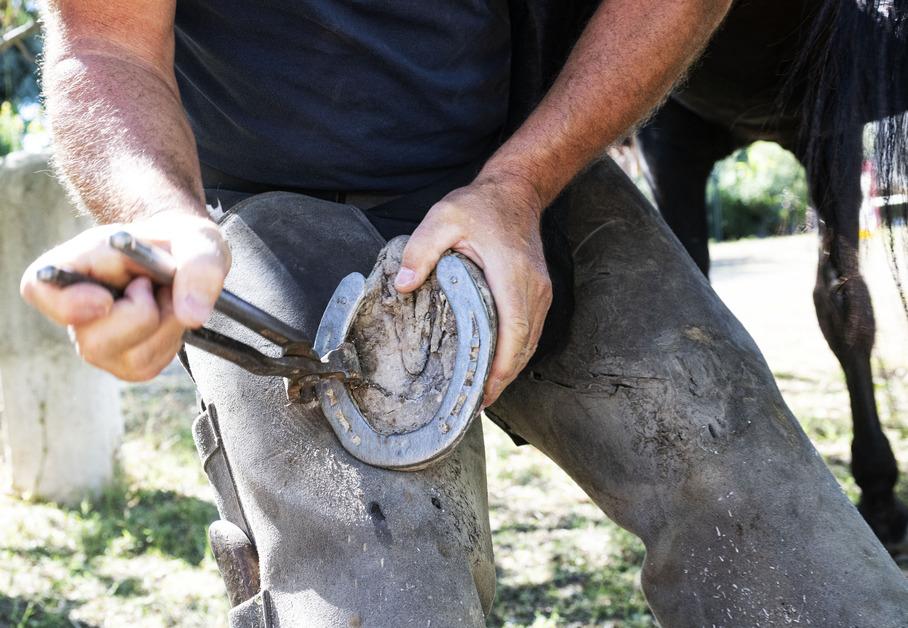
x: 441, y: 430
x: 298, y: 364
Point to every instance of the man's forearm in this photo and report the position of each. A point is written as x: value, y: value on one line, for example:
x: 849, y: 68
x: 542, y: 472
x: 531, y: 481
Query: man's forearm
x: 627, y: 59
x: 121, y: 139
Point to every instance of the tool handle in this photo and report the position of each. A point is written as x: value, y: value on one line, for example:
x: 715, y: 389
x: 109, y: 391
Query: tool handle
x: 65, y: 278
x: 298, y: 359
x: 157, y: 262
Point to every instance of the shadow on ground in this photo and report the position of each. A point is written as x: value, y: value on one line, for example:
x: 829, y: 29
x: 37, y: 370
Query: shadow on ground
x: 574, y: 596
x: 145, y: 519
x: 583, y: 572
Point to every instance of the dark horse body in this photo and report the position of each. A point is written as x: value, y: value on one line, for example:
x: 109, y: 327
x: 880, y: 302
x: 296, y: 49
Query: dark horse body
x: 731, y: 99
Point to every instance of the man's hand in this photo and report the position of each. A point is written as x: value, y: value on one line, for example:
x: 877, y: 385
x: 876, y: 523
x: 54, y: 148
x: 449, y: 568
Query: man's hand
x: 137, y: 336
x: 495, y: 223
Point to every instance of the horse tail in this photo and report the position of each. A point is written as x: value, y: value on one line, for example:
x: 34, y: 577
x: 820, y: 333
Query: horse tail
x: 853, y: 70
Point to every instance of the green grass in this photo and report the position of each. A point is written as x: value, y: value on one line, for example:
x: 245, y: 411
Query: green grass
x: 140, y: 520
x: 137, y: 555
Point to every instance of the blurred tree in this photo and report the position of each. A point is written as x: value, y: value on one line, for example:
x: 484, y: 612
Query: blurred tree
x: 758, y: 191
x: 19, y: 48
x: 11, y: 129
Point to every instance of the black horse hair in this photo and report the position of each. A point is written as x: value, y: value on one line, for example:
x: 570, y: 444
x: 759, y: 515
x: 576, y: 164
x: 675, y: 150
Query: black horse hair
x: 855, y: 67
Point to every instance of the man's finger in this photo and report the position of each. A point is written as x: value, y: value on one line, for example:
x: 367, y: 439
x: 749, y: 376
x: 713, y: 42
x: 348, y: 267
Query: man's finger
x: 515, y: 328
x: 131, y: 320
x: 88, y: 253
x: 74, y: 305
x: 522, y: 299
x: 424, y: 248
x: 202, y: 259
x: 148, y: 358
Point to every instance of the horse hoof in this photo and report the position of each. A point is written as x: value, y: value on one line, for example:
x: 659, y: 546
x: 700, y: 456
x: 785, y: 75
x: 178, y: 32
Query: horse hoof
x: 425, y: 358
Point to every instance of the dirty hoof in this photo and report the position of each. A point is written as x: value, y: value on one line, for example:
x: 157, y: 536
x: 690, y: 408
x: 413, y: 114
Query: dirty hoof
x: 406, y: 343
x: 424, y: 358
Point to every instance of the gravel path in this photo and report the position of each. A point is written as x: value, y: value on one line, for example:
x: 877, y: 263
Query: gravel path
x: 768, y: 284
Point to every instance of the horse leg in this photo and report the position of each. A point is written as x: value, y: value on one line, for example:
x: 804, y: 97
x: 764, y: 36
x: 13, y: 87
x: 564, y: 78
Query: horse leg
x: 679, y: 150
x: 845, y: 314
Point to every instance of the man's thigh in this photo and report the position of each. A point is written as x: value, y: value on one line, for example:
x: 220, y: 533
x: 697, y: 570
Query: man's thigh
x: 660, y: 406
x: 339, y: 542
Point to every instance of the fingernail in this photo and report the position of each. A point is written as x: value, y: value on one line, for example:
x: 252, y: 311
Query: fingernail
x: 196, y: 310
x: 494, y: 390
x: 99, y: 311
x: 405, y: 276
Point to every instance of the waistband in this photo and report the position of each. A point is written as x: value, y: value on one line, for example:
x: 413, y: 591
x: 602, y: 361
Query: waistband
x: 392, y: 215
x: 214, y: 179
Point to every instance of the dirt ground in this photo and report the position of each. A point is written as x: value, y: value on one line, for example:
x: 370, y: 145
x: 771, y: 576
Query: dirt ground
x: 768, y: 284
x: 138, y: 556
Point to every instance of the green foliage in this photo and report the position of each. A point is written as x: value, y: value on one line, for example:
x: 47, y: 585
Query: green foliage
x: 760, y: 190
x: 580, y: 591
x: 12, y: 128
x: 135, y: 516
x: 137, y: 554
x: 23, y: 613
x: 17, y: 11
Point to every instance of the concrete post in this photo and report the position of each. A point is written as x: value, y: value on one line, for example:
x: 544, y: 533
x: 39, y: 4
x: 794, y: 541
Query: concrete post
x: 60, y: 421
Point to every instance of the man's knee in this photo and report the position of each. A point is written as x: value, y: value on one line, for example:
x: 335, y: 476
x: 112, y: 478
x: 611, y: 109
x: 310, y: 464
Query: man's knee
x: 335, y: 538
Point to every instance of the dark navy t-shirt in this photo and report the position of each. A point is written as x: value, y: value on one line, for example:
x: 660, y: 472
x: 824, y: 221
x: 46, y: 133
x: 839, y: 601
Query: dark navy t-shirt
x: 350, y: 95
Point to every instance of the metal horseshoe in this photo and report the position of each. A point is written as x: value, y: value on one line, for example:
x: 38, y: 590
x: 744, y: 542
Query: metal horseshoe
x: 419, y: 447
